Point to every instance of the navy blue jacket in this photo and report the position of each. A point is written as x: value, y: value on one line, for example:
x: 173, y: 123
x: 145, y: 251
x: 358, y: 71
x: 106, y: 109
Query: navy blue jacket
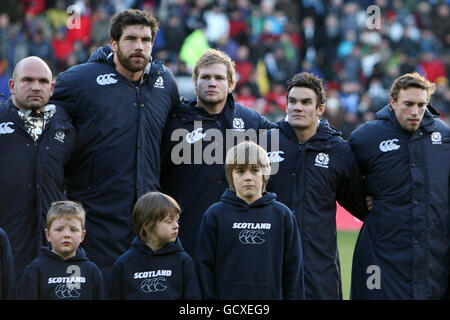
x: 198, y: 182
x: 402, y: 251
x: 7, y: 281
x: 310, y: 178
x: 33, y: 176
x: 250, y: 252
x: 50, y: 277
x: 143, y: 274
x: 119, y: 129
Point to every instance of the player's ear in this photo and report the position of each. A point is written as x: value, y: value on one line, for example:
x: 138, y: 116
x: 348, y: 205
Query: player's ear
x: 320, y: 109
x: 113, y: 44
x: 82, y: 235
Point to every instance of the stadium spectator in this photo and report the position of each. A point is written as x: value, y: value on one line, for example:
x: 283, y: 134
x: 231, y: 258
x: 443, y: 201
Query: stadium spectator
x: 217, y: 24
x: 62, y: 48
x: 317, y: 31
x: 100, y: 26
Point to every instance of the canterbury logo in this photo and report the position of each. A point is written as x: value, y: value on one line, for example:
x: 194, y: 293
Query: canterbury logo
x: 5, y: 129
x: 194, y: 136
x: 105, y: 79
x: 64, y: 291
x: 275, y: 156
x: 389, y: 145
x: 251, y: 237
x: 153, y: 285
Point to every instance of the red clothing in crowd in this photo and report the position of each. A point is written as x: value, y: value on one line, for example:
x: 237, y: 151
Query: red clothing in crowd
x: 434, y: 69
x: 80, y: 30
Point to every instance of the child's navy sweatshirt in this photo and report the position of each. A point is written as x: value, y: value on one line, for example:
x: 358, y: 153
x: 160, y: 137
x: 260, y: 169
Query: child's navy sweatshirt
x: 50, y: 277
x: 250, y: 251
x: 143, y: 274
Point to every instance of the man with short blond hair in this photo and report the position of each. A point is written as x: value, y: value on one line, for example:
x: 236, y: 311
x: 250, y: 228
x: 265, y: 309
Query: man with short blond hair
x: 196, y: 181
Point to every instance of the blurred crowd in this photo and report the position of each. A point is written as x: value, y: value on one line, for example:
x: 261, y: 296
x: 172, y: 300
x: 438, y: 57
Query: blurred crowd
x: 357, y: 53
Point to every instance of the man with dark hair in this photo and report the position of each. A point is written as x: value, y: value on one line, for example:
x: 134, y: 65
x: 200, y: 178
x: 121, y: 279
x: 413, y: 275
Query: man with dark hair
x: 402, y: 250
x: 36, y: 142
x: 315, y: 168
x: 119, y: 101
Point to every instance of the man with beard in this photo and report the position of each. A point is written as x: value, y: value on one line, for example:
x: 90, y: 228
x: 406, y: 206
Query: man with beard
x: 119, y: 101
x: 36, y: 141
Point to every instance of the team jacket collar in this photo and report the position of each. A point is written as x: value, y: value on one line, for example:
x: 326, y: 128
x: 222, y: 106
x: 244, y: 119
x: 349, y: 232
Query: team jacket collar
x: 229, y: 105
x: 189, y: 111
x: 168, y: 248
x: 427, y: 124
x: 106, y: 55
x: 231, y: 197
x: 80, y: 255
x: 325, y: 133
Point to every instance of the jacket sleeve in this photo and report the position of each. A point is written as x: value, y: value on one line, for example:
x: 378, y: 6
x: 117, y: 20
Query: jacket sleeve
x: 99, y: 285
x: 28, y: 288
x: 206, y: 256
x: 166, y: 145
x: 191, y: 285
x: 270, y: 141
x: 351, y: 189
x: 6, y: 268
x: 293, y: 275
x: 355, y: 144
x: 175, y: 92
x: 66, y: 94
x: 115, y: 285
x: 69, y: 140
x: 264, y: 123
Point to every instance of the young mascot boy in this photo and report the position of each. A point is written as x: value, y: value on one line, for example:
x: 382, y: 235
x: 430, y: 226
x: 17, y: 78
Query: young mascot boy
x: 156, y: 267
x: 249, y: 244
x: 64, y: 271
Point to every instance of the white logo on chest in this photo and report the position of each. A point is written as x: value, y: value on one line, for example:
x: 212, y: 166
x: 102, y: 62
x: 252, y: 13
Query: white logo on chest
x: 322, y: 160
x: 389, y: 145
x: 105, y: 79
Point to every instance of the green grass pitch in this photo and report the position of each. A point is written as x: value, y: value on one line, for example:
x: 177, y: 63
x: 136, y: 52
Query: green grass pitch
x: 346, y: 245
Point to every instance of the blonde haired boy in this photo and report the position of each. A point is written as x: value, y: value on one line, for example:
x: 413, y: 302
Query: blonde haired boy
x: 249, y: 245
